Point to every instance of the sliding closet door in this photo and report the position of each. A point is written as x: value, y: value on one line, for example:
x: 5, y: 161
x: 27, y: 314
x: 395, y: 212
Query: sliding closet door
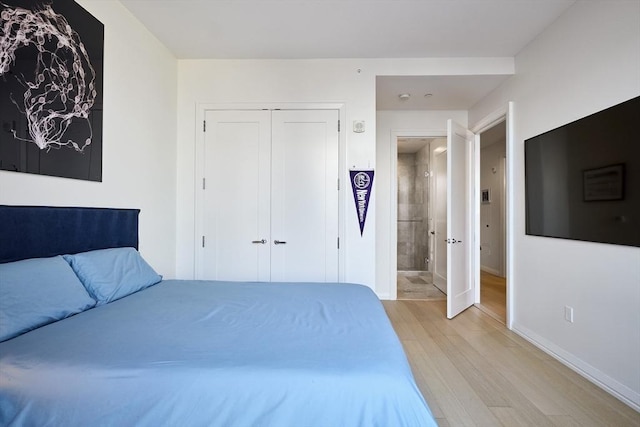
x: 237, y: 217
x: 304, y: 196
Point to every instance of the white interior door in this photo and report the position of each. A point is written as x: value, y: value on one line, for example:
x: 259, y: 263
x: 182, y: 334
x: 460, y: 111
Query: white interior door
x: 460, y: 211
x: 236, y: 198
x: 304, y: 204
x: 439, y: 188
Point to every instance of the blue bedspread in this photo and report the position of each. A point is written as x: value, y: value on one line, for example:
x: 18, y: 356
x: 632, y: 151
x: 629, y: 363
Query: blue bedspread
x: 196, y: 353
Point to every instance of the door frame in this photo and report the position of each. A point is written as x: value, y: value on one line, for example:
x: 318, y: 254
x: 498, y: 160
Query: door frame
x: 505, y: 114
x: 393, y: 206
x: 198, y: 177
x: 437, y: 206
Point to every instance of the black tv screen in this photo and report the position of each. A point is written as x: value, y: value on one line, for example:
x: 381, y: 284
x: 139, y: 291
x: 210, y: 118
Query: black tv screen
x: 582, y: 180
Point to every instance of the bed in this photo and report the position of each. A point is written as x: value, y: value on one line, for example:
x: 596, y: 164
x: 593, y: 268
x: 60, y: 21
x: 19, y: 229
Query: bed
x: 116, y: 345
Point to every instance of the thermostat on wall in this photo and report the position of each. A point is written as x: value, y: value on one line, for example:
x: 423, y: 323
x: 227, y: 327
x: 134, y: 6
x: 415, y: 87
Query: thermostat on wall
x: 358, y: 126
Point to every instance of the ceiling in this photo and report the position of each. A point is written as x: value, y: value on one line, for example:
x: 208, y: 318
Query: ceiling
x: 495, y: 134
x: 306, y: 29
x: 433, y: 92
x: 411, y: 145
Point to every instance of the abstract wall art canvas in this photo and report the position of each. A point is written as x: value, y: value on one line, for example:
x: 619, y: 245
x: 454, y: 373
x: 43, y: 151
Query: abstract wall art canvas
x: 51, y: 56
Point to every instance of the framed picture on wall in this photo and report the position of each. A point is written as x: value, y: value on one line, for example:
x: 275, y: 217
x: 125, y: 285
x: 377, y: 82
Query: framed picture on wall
x: 51, y: 89
x: 606, y: 183
x: 485, y: 195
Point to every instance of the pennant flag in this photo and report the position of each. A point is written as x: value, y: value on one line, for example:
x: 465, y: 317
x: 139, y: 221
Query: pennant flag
x: 361, y: 182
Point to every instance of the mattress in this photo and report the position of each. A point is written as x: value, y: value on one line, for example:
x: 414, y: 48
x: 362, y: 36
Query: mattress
x: 191, y: 353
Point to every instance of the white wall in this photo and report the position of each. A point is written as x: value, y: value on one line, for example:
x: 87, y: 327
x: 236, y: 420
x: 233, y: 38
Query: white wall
x: 588, y: 60
x: 349, y: 81
x: 138, y: 168
x: 492, y: 231
x: 265, y: 81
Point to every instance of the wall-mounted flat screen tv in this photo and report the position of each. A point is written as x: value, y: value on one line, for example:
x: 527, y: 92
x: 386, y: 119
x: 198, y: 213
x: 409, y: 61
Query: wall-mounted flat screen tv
x: 582, y: 180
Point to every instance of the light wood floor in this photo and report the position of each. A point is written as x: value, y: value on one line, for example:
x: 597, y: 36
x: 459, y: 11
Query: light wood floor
x: 474, y: 372
x: 493, y: 295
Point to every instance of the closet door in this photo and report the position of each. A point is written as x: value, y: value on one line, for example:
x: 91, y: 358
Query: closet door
x: 304, y: 196
x: 237, y: 217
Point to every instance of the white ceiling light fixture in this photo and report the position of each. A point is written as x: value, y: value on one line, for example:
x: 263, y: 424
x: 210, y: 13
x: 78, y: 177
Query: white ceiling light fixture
x: 428, y: 95
x: 404, y: 96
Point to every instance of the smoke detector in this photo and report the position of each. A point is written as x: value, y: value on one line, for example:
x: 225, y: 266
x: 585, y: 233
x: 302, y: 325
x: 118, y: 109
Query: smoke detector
x: 404, y: 96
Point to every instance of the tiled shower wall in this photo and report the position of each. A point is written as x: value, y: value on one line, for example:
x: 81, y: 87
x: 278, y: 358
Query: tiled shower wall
x: 413, y: 211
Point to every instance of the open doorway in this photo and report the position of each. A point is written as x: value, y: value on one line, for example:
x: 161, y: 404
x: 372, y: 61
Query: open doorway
x: 415, y: 224
x: 493, y: 232
x: 402, y: 111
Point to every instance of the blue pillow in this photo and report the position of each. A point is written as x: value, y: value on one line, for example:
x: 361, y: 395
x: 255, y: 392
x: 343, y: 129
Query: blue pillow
x: 110, y: 274
x: 35, y: 292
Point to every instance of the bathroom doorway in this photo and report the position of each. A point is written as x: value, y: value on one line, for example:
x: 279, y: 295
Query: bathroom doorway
x: 414, y: 220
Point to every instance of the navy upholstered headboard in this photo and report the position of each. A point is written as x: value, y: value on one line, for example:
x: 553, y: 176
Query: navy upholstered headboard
x: 44, y: 231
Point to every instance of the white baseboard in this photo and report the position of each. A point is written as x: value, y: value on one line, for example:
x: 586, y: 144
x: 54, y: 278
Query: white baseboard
x: 610, y: 385
x: 384, y: 296
x: 491, y: 270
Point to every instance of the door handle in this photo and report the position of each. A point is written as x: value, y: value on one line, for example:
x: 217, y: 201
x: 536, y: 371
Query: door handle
x: 261, y: 242
x: 279, y: 242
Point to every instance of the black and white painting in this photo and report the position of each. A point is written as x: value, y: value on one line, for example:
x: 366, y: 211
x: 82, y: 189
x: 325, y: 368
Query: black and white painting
x: 51, y: 55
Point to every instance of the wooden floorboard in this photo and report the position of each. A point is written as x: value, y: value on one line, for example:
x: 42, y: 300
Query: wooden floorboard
x: 493, y: 295
x: 473, y: 371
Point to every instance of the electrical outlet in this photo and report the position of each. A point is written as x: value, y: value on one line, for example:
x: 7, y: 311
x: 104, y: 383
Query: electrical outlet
x: 568, y: 313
